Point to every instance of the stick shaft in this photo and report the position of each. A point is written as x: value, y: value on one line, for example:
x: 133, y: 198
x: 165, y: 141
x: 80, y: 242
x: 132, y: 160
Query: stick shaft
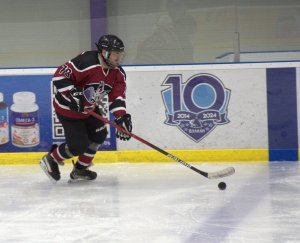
x: 148, y: 143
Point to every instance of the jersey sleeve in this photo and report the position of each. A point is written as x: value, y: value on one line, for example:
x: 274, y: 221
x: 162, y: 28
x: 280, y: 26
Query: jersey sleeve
x: 117, y: 97
x: 69, y: 75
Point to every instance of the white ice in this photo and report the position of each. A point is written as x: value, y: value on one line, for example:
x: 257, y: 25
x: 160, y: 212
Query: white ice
x: 152, y: 203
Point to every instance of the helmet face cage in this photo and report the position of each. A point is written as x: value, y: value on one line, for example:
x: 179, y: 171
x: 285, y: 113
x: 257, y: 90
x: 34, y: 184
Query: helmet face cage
x: 109, y: 43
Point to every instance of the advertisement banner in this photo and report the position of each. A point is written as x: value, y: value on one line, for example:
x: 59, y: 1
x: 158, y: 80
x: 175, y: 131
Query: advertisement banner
x: 27, y: 120
x: 198, y: 107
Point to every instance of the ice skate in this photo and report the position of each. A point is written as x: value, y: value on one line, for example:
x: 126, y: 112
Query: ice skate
x: 50, y: 167
x: 82, y: 174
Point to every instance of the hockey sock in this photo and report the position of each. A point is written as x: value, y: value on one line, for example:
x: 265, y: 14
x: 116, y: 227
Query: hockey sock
x: 61, y: 153
x: 85, y: 160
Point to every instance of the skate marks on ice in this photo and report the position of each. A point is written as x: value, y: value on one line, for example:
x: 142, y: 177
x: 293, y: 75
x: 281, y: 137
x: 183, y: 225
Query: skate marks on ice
x: 34, y: 210
x: 265, y: 208
x: 163, y: 203
x: 285, y: 201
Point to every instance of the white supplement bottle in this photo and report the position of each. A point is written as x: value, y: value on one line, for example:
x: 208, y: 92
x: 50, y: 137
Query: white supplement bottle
x: 25, y: 129
x: 4, y: 124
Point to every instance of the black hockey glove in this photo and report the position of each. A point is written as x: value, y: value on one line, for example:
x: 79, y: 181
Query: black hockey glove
x: 77, y: 100
x: 125, y: 123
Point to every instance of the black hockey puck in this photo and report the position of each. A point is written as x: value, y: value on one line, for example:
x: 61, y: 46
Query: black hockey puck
x: 222, y: 185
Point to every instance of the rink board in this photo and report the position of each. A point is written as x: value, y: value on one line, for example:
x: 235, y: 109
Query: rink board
x: 150, y: 156
x: 246, y: 112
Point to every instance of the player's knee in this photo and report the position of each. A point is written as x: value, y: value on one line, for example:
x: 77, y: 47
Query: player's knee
x: 78, y: 148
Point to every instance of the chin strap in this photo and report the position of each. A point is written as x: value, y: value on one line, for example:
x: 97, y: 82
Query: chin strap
x: 106, y: 59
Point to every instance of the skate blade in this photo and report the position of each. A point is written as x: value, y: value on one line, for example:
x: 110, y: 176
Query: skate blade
x: 72, y: 181
x: 79, y: 180
x: 44, y: 168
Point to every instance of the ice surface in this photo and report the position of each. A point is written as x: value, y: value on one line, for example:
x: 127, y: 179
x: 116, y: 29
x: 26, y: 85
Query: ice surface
x: 155, y: 203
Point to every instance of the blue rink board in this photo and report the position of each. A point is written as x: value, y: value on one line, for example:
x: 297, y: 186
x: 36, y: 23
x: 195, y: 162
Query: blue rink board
x: 40, y: 85
x: 282, y: 114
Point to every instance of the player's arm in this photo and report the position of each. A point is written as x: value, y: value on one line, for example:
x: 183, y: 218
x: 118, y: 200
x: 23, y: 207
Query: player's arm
x: 66, y: 81
x: 117, y: 106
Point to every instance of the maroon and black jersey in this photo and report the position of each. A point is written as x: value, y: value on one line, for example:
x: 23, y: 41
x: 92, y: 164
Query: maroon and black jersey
x: 86, y: 73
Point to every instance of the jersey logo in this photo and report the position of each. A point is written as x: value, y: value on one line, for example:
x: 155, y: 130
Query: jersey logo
x: 94, y: 93
x: 197, y: 106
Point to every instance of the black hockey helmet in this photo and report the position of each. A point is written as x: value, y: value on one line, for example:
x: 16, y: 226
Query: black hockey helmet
x: 110, y: 43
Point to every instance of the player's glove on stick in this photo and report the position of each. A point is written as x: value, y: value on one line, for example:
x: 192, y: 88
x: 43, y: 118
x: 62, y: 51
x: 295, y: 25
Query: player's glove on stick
x: 125, y: 123
x: 77, y: 100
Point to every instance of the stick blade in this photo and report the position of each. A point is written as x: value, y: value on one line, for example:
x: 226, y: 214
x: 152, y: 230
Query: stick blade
x: 220, y: 174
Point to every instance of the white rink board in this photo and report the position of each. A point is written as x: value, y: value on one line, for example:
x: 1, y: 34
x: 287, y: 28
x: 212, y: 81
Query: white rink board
x: 247, y: 109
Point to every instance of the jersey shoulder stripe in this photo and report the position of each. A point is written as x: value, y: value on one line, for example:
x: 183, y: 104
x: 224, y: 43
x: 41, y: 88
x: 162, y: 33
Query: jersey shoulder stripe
x: 85, y: 60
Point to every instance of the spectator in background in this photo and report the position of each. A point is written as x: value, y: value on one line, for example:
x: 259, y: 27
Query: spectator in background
x: 288, y: 25
x: 171, y: 40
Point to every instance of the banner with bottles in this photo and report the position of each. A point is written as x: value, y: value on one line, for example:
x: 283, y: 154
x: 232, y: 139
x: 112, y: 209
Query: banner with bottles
x: 27, y: 120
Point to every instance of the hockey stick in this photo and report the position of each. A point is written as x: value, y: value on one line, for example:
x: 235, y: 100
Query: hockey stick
x: 210, y: 175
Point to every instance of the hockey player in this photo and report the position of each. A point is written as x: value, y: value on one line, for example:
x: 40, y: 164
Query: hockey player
x: 80, y: 84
